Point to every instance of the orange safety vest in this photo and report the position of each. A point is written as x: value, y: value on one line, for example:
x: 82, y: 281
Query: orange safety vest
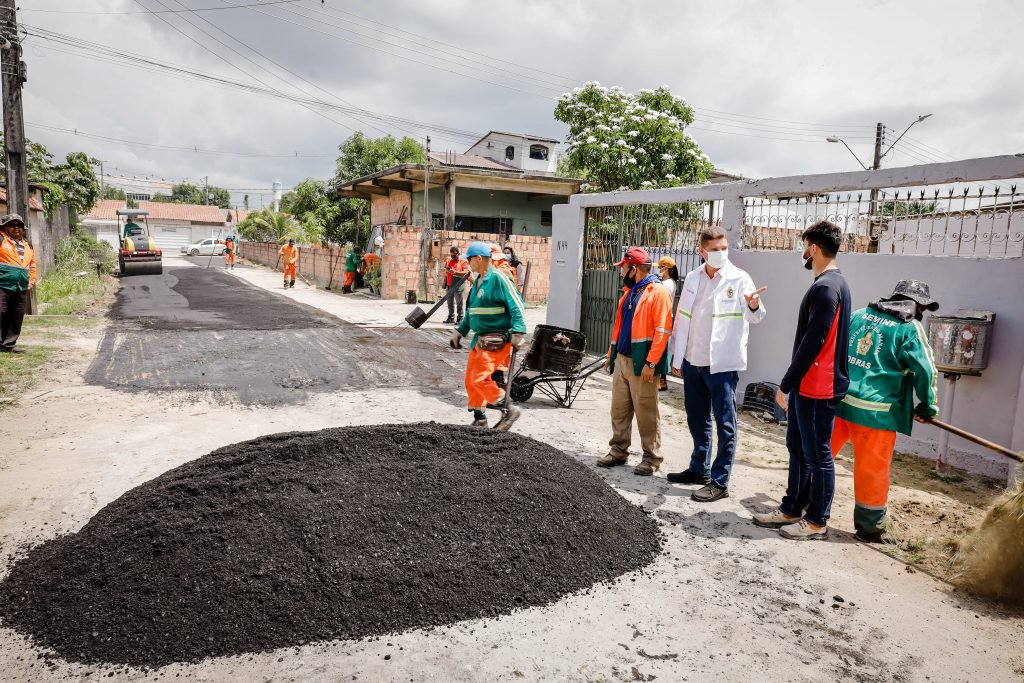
x: 652, y: 326
x: 17, y: 273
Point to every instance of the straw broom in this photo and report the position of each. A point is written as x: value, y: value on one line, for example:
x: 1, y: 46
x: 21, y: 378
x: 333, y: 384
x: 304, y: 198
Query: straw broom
x: 992, y: 560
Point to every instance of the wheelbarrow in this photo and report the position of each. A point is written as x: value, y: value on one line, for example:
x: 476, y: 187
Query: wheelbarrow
x: 554, y: 366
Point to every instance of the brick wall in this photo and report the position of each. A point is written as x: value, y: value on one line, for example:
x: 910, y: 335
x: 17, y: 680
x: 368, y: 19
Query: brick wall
x: 401, y: 265
x: 315, y: 263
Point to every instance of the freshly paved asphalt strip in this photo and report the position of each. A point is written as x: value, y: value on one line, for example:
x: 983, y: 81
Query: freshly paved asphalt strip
x: 198, y: 330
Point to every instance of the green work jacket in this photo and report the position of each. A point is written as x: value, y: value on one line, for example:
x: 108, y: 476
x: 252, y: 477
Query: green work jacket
x: 494, y: 306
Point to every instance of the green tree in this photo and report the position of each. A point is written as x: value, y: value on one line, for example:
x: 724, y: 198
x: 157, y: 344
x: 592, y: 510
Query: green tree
x: 361, y: 156
x: 618, y: 140
x: 189, y: 193
x: 900, y: 207
x: 110, y: 192
x: 267, y: 225
x: 79, y: 183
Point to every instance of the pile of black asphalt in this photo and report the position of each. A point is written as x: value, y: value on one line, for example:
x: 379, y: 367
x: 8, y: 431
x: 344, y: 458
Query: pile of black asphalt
x: 332, y: 535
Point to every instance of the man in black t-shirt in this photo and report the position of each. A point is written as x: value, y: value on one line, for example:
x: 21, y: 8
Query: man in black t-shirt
x: 811, y: 390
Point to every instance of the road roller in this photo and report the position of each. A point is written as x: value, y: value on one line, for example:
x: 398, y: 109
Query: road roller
x: 138, y: 254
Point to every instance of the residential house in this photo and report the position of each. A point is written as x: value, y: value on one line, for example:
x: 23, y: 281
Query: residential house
x: 470, y: 197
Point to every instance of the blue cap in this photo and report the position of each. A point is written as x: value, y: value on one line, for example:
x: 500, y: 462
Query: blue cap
x: 478, y: 249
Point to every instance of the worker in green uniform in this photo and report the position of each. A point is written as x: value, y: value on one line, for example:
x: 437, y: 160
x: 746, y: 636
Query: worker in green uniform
x: 497, y: 317
x: 351, y: 268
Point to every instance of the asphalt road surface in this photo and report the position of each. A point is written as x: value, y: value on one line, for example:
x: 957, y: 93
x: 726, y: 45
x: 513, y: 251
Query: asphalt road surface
x: 198, y: 329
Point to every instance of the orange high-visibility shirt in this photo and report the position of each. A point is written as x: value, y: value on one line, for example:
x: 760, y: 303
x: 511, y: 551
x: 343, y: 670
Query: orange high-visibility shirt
x: 15, y: 266
x: 290, y: 253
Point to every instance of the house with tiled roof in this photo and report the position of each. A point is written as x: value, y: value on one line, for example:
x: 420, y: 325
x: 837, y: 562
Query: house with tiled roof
x: 172, y: 226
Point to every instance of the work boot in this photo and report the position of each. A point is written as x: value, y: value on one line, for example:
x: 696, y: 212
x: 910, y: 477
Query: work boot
x: 458, y: 320
x: 874, y: 537
x: 286, y: 284
x: 612, y: 460
x: 449, y: 320
x: 508, y: 417
x: 646, y: 468
x: 292, y: 285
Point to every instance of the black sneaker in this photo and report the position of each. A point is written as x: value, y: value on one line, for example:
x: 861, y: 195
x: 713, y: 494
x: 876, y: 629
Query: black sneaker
x: 710, y: 492
x: 688, y: 477
x: 449, y: 320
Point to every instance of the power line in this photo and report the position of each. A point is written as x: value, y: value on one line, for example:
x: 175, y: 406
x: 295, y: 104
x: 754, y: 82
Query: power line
x: 178, y: 148
x: 169, y: 11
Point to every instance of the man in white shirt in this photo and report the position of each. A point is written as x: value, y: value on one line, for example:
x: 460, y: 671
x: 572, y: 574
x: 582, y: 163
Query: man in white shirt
x: 718, y: 303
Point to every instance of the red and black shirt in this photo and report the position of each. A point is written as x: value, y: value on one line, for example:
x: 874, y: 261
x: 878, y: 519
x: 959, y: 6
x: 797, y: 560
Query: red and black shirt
x: 818, y: 369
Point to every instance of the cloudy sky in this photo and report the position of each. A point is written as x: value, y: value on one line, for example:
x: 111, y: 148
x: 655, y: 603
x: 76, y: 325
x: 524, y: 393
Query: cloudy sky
x: 769, y: 80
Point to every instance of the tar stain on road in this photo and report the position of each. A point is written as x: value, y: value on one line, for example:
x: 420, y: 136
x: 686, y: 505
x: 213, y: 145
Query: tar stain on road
x: 203, y: 331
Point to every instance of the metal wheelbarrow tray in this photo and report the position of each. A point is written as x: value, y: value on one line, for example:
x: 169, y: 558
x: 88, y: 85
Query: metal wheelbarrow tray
x: 554, y: 366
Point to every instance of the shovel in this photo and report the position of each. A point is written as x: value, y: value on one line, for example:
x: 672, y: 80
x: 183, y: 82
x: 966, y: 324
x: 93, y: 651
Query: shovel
x: 976, y: 439
x: 418, y: 316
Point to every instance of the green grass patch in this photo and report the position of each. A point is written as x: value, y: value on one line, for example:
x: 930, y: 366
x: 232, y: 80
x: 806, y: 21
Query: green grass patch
x: 46, y: 322
x: 17, y: 369
x: 73, y: 283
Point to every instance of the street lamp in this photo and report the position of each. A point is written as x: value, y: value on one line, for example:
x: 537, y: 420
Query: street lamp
x: 832, y: 138
x: 912, y: 123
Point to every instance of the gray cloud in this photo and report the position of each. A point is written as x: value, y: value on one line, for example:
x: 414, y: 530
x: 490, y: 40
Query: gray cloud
x: 785, y: 62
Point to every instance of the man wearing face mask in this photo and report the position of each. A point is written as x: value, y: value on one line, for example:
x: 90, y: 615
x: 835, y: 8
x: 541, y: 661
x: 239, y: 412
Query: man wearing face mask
x: 718, y: 304
x: 890, y: 360
x: 810, y: 391
x: 637, y: 356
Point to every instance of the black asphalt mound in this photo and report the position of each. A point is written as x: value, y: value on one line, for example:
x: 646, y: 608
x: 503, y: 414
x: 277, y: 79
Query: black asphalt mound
x: 337, y: 534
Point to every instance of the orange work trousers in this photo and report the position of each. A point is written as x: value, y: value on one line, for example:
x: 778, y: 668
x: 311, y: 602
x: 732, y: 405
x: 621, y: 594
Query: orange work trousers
x: 229, y: 258
x: 350, y: 278
x: 481, y: 388
x: 872, y: 456
x: 289, y: 271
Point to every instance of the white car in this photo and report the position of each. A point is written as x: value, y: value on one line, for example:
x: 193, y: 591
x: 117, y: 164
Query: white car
x: 204, y: 248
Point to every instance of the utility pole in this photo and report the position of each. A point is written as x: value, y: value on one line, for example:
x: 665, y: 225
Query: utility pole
x: 206, y: 190
x: 14, y: 77
x: 427, y: 236
x: 873, y: 233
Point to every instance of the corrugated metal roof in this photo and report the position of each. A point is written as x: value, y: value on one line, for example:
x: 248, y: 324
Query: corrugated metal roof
x: 194, y: 213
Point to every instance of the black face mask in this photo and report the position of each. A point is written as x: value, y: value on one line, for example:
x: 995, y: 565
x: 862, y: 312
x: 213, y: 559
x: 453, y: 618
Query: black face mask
x: 919, y: 314
x: 808, y: 263
x: 629, y: 279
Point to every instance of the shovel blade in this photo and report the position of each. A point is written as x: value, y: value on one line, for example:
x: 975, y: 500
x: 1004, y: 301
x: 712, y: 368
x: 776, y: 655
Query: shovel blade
x: 416, y: 317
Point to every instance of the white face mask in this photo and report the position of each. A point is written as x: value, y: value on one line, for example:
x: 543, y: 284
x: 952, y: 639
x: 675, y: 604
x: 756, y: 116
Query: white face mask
x: 717, y: 259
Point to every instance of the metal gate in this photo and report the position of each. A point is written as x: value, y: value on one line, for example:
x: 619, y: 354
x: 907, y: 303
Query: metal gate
x: 663, y: 229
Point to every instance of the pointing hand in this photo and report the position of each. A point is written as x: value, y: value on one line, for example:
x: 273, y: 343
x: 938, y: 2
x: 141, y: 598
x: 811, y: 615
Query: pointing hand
x: 754, y: 300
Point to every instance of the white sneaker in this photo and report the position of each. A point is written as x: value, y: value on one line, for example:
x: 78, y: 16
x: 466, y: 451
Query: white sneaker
x: 773, y: 519
x: 803, y: 531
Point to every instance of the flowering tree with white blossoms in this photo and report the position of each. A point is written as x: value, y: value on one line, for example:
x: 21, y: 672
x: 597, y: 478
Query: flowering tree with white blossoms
x: 618, y: 140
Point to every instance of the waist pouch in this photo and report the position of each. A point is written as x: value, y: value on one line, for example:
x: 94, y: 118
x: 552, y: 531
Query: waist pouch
x: 492, y: 341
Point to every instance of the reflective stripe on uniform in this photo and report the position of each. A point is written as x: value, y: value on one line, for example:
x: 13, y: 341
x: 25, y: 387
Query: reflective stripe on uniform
x: 866, y: 405
x: 487, y: 310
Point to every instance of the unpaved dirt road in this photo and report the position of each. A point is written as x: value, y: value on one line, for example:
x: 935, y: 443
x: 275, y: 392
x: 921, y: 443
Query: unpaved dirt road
x: 725, y: 599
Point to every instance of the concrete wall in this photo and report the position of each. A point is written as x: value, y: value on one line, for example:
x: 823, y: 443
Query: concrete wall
x: 525, y: 214
x: 989, y: 405
x: 318, y: 265
x: 47, y: 232
x: 500, y: 141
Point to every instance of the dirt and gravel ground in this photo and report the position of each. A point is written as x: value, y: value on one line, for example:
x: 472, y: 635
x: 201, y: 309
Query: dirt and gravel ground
x: 723, y: 598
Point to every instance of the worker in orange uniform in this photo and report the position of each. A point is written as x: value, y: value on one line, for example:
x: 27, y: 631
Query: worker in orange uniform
x: 638, y: 354
x: 497, y: 318
x: 290, y: 255
x: 18, y: 275
x: 229, y: 253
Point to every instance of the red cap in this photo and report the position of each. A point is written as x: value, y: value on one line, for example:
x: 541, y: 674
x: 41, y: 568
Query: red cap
x: 636, y: 256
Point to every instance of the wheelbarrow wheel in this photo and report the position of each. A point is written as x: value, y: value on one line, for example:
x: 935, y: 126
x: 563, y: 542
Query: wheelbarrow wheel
x: 522, y: 390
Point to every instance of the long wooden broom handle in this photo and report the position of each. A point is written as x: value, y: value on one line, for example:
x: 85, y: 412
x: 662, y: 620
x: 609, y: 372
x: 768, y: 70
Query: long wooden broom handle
x: 977, y: 439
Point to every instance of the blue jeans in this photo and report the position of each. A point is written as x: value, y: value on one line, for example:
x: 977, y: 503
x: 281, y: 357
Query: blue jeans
x: 704, y: 393
x: 812, y: 473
